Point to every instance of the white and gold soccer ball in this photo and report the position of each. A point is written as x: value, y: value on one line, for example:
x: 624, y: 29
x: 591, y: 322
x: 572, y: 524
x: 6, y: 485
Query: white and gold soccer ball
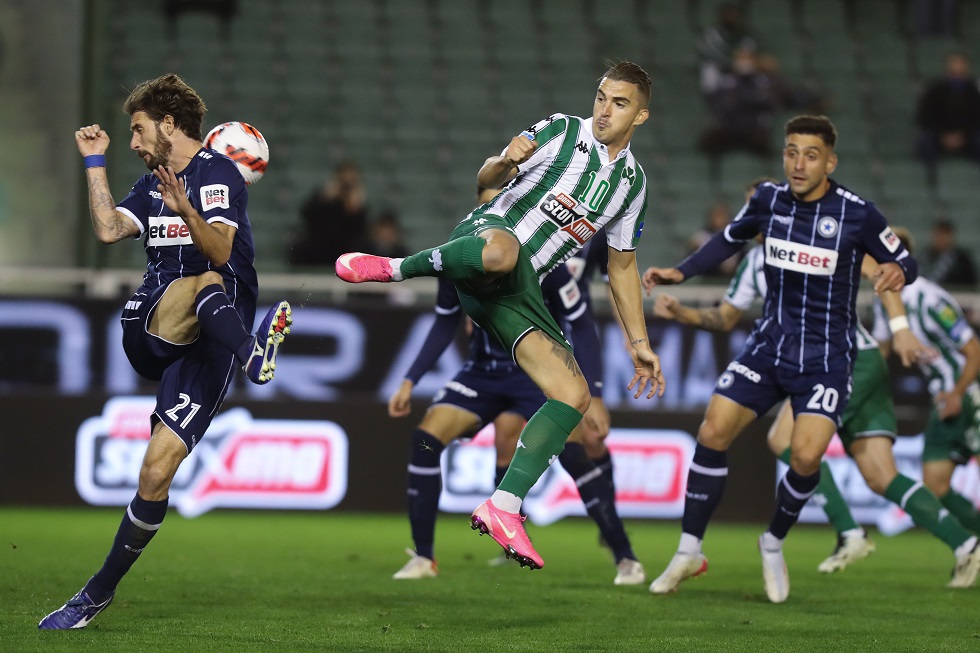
x: 243, y: 144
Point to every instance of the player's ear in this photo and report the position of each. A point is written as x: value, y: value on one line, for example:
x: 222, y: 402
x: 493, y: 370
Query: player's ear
x: 831, y: 163
x: 168, y: 124
x: 641, y: 117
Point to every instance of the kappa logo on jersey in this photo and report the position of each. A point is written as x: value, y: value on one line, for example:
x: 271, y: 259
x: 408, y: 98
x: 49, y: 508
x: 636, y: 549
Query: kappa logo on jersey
x: 215, y: 196
x: 651, y: 473
x: 582, y: 147
x: 798, y: 257
x: 243, y: 463
x: 889, y: 240
x: 560, y: 208
x: 168, y: 230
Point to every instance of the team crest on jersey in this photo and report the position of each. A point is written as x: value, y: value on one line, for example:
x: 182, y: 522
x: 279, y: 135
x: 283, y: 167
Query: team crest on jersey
x: 215, y: 196
x: 827, y: 227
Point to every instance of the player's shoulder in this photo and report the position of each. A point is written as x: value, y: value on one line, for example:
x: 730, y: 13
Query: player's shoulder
x: 766, y: 190
x: 852, y: 200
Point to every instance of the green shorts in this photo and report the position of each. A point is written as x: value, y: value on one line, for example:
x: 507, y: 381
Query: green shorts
x: 956, y: 439
x: 870, y: 411
x: 512, y: 306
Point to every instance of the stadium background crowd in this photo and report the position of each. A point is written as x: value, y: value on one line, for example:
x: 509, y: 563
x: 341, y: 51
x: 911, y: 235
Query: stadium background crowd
x: 418, y: 94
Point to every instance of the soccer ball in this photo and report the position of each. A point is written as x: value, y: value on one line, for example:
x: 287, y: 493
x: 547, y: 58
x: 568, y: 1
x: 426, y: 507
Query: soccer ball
x: 243, y: 144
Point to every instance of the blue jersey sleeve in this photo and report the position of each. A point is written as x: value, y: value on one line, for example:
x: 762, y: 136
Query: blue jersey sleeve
x: 223, y: 195
x: 884, y: 246
x: 136, y: 205
x: 727, y: 242
x: 441, y: 333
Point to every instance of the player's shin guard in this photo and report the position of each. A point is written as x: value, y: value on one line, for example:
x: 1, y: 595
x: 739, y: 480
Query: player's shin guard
x: 140, y: 523
x: 542, y: 439
x: 705, y: 485
x: 831, y: 499
x: 457, y: 260
x: 424, y: 486
x: 221, y: 322
x: 926, y: 511
x: 792, y: 494
x: 963, y: 510
x: 599, y: 498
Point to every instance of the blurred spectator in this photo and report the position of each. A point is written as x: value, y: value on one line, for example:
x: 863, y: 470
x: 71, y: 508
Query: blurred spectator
x: 744, y: 104
x: 719, y: 42
x: 333, y: 219
x: 934, y: 17
x: 386, y: 236
x: 945, y: 262
x: 716, y: 220
x: 949, y: 116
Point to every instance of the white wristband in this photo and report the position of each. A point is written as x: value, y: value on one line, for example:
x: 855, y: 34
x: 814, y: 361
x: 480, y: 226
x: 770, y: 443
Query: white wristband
x: 898, y: 323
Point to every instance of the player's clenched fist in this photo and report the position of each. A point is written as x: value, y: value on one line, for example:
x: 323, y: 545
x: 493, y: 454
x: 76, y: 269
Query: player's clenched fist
x: 92, y: 140
x: 665, y: 306
x: 520, y: 149
x: 654, y: 277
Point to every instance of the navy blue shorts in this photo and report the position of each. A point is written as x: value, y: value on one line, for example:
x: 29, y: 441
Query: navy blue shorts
x: 193, y: 377
x: 489, y: 391
x: 754, y: 381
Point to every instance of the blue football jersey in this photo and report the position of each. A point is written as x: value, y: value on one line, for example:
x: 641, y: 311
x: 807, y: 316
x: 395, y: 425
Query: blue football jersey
x: 813, y: 254
x: 217, y: 191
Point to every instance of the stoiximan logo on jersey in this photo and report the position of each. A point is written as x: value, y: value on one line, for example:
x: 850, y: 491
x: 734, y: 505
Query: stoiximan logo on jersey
x: 650, y: 466
x: 242, y: 463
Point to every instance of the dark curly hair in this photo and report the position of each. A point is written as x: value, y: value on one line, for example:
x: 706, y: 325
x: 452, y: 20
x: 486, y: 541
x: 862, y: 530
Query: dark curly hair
x: 169, y: 95
x: 813, y: 126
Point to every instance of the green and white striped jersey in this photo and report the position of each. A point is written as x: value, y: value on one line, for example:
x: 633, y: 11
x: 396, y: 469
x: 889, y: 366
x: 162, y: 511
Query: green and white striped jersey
x: 568, y: 190
x: 749, y: 284
x: 937, y: 320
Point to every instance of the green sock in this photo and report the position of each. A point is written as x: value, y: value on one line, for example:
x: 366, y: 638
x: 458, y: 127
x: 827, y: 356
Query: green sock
x: 542, y: 439
x: 964, y: 511
x: 926, y: 511
x: 457, y: 260
x: 834, y: 505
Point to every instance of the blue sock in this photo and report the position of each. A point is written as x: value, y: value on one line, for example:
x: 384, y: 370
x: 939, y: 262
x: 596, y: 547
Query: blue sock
x: 705, y: 485
x: 221, y: 322
x: 599, y: 498
x: 605, y: 463
x: 138, y: 526
x: 424, y: 487
x: 792, y: 493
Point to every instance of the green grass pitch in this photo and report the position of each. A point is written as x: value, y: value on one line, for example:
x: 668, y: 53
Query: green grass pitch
x: 284, y: 582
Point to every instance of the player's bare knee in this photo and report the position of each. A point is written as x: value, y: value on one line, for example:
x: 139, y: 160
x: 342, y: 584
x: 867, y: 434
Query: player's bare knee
x: 714, y: 436
x: 805, y: 463
x: 500, y: 254
x: 209, y: 278
x: 154, y: 483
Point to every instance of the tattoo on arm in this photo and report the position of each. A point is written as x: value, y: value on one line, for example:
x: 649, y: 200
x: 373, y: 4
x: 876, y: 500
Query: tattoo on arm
x: 711, y: 319
x: 105, y: 219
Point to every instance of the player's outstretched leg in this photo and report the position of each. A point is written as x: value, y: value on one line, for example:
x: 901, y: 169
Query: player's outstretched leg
x: 260, y: 366
x: 852, y: 545
x: 459, y: 259
x: 507, y: 530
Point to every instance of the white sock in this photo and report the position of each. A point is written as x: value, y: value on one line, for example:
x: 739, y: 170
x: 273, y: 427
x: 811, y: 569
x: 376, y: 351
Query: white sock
x: 961, y: 550
x: 506, y: 501
x: 770, y: 542
x: 853, y: 532
x: 689, y: 545
x: 396, y: 273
